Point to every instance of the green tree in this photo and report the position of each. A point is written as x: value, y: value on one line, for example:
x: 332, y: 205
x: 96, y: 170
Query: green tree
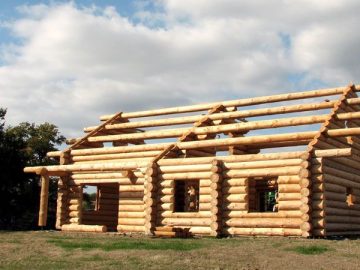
x: 20, y: 146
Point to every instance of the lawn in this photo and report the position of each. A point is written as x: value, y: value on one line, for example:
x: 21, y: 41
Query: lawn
x: 58, y: 250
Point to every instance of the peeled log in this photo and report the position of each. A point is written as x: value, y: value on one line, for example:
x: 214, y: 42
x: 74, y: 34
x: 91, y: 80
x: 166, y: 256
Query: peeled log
x: 266, y: 172
x: 129, y: 228
x: 264, y: 222
x: 44, y: 198
x: 83, y: 228
x: 234, y: 103
x: 264, y: 231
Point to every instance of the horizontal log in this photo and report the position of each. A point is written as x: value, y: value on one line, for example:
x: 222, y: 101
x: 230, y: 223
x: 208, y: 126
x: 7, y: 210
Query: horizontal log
x: 333, y: 227
x: 186, y: 168
x: 289, y: 205
x: 131, y: 221
x: 220, y: 116
x: 289, y: 196
x: 238, y: 127
x: 264, y: 222
x: 334, y: 196
x: 186, y: 176
x: 235, y: 190
x: 234, y: 103
x: 235, y: 182
x: 131, y: 208
x: 263, y: 231
x: 170, y: 214
x: 131, y: 214
x: 186, y: 221
x: 116, y: 156
x: 266, y: 172
x: 235, y: 198
x: 266, y: 164
x: 341, y: 212
x: 342, y: 178
x: 247, y: 215
x: 109, y: 175
x: 130, y: 228
x: 235, y: 206
x: 83, y: 228
x: 89, y: 167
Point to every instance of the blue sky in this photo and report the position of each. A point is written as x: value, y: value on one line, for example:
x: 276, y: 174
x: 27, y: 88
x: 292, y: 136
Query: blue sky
x: 69, y: 62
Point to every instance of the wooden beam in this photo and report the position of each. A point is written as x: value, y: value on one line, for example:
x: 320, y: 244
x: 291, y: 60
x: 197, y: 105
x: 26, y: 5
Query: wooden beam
x: 235, y: 103
x: 44, y: 198
x: 223, y: 115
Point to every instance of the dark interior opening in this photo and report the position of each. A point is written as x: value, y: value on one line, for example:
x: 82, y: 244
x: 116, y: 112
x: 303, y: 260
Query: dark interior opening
x: 263, y: 195
x: 186, y: 196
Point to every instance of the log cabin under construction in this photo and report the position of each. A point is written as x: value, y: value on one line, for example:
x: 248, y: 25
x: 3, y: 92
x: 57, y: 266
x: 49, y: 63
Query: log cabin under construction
x: 284, y: 165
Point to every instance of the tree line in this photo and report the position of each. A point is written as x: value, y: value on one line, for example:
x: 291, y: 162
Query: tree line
x: 25, y: 144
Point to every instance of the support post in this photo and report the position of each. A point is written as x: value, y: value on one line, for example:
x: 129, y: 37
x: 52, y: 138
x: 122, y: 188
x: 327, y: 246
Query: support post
x: 44, y: 198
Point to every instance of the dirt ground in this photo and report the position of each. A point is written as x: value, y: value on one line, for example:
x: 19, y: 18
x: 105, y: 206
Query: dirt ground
x: 59, y: 250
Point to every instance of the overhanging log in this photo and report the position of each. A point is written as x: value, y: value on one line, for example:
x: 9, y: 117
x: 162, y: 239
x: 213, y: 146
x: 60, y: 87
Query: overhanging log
x: 235, y: 103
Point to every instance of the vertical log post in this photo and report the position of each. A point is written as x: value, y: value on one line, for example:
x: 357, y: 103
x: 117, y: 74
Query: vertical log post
x: 44, y: 198
x: 216, y: 209
x: 150, y: 198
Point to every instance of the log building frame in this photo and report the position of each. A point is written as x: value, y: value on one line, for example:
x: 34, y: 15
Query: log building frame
x: 140, y: 160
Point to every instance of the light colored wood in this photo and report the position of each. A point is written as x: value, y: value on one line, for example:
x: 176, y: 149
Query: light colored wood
x: 266, y: 172
x: 266, y: 164
x: 235, y: 103
x: 83, y: 228
x: 220, y: 116
x: 263, y: 231
x: 44, y: 198
x: 238, y: 127
x: 248, y: 215
x: 264, y: 222
x: 130, y: 228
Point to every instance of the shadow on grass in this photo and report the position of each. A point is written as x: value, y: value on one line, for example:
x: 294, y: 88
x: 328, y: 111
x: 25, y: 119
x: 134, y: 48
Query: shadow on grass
x: 179, y: 245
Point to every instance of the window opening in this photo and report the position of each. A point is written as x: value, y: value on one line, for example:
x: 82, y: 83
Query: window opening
x: 186, y: 196
x: 90, y: 198
x: 263, y: 195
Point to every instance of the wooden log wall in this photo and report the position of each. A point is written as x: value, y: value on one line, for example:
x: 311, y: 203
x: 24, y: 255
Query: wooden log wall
x: 150, y: 198
x: 62, y: 203
x: 106, y: 213
x: 199, y: 222
x: 336, y: 188
x: 74, y: 202
x: 292, y: 217
x: 131, y: 217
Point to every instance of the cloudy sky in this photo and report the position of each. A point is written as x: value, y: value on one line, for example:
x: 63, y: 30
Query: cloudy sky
x: 69, y: 62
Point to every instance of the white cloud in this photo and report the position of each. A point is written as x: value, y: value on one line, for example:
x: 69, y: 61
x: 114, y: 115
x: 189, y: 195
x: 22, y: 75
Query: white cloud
x: 74, y: 64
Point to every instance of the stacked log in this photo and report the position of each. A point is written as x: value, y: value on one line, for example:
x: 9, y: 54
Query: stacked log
x: 336, y: 214
x: 335, y: 179
x: 216, y: 200
x: 289, y: 173
x: 150, y: 198
x: 198, y: 221
x: 61, y: 203
x: 171, y: 232
x: 74, y: 201
x: 83, y: 228
x: 131, y: 205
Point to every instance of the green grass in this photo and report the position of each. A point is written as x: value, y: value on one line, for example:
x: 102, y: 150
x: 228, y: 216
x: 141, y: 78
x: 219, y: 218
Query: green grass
x: 310, y: 250
x: 150, y: 244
